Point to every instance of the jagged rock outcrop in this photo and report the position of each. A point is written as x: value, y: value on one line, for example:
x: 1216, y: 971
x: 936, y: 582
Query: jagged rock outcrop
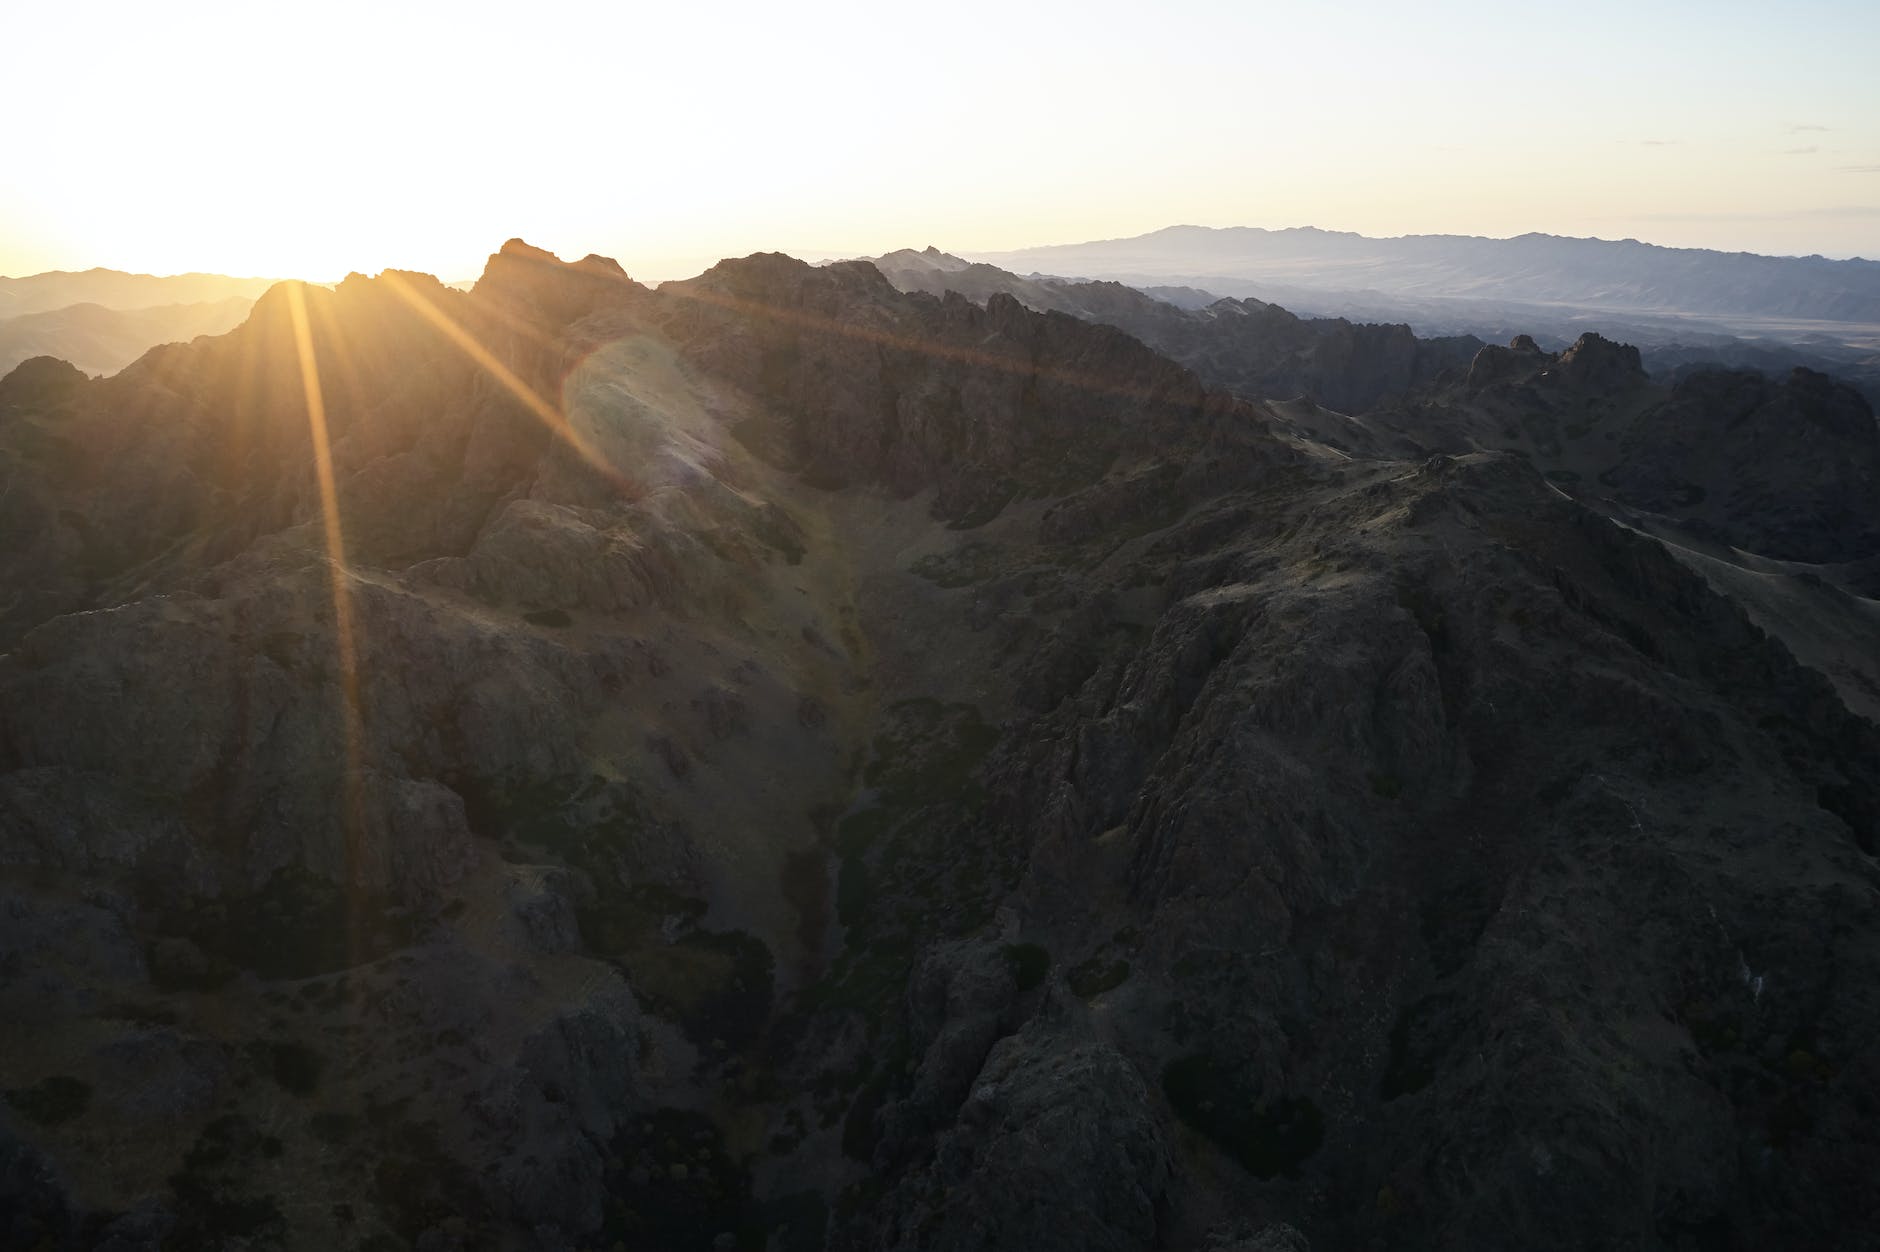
x: 1597, y: 363
x: 554, y: 294
x: 1493, y: 363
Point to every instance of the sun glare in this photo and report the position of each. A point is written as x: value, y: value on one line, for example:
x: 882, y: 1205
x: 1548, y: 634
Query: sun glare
x: 311, y: 143
x: 345, y: 641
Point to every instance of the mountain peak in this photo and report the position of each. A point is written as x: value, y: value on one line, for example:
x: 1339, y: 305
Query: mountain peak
x: 519, y: 247
x: 40, y: 381
x: 928, y: 260
x: 1597, y: 360
x: 521, y: 273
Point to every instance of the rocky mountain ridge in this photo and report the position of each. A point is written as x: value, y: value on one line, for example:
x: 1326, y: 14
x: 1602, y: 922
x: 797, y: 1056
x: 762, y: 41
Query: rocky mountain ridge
x: 1380, y: 390
x: 1247, y: 346
x: 778, y: 761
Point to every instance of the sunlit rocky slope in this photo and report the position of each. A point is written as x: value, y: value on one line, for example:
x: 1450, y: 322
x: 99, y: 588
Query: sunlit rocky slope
x: 777, y: 761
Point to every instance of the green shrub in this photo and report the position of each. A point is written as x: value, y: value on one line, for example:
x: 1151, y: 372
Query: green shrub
x: 717, y: 985
x: 297, y: 926
x: 51, y: 1101
x: 859, y: 1131
x: 1029, y: 964
x: 1266, y: 1139
x: 296, y: 1067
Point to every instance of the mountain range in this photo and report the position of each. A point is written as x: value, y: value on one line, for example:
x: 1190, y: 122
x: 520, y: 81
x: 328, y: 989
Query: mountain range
x: 1623, y: 276
x: 1262, y: 349
x: 115, y: 289
x: 1684, y: 303
x: 101, y: 320
x: 834, y: 757
x: 99, y: 340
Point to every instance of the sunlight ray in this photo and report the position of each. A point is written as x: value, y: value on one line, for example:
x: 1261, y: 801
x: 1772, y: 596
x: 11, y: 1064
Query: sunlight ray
x: 344, y: 640
x: 549, y: 415
x: 337, y: 334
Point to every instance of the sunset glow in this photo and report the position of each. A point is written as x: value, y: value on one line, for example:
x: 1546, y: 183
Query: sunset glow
x: 290, y: 141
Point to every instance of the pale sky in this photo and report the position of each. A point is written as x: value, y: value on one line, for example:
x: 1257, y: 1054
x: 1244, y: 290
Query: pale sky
x: 312, y: 139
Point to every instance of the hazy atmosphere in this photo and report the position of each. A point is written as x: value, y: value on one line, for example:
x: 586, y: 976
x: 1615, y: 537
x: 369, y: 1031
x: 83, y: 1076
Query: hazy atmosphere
x: 1216, y: 627
x: 311, y: 141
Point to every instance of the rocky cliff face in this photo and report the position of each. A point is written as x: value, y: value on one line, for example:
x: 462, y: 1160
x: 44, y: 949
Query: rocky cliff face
x: 1789, y: 468
x: 1784, y: 469
x: 777, y: 761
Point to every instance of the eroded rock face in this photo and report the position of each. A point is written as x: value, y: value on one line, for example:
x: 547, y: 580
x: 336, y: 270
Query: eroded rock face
x: 1057, y: 1146
x: 785, y: 763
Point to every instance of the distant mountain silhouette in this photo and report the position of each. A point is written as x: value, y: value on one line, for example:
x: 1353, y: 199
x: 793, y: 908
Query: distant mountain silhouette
x: 115, y: 289
x: 101, y: 320
x: 99, y: 340
x: 1625, y: 275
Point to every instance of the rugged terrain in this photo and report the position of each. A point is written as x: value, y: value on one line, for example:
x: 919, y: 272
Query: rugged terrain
x: 1675, y: 304
x: 779, y: 761
x: 1249, y: 347
x: 1779, y: 459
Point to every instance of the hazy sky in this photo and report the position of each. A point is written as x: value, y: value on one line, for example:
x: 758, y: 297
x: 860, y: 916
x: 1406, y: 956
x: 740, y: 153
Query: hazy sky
x: 313, y: 139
